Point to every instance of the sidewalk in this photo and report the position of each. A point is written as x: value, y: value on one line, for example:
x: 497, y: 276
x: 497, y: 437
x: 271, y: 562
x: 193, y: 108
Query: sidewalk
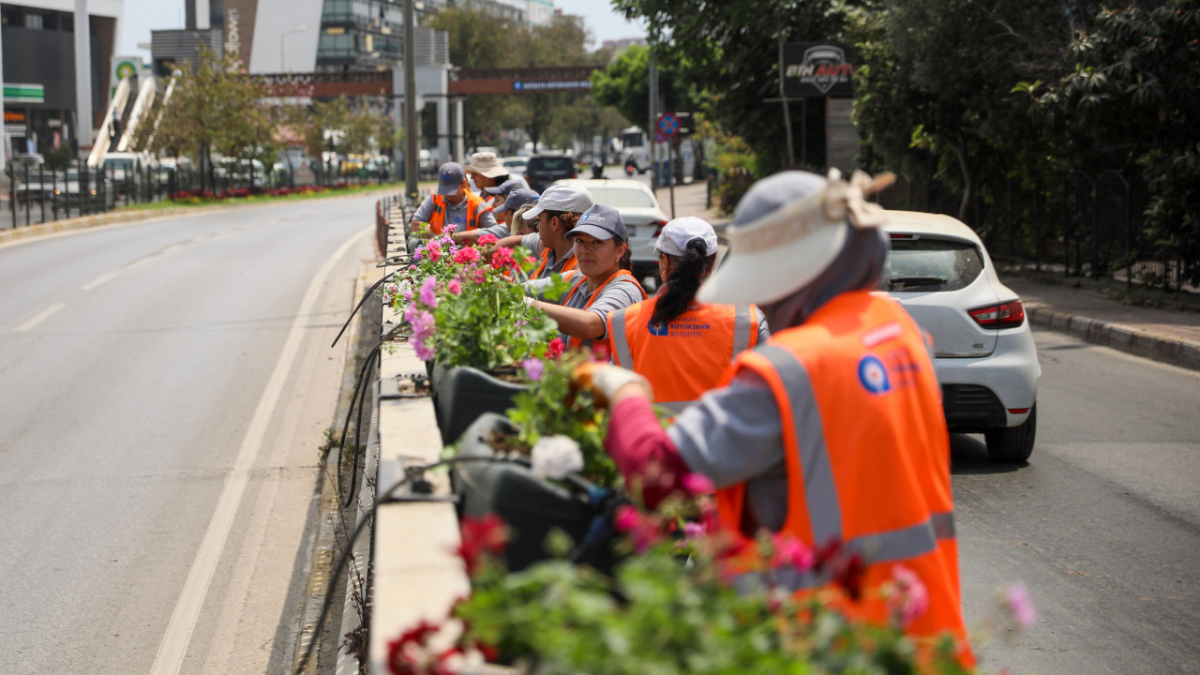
x: 1146, y: 322
x: 689, y: 201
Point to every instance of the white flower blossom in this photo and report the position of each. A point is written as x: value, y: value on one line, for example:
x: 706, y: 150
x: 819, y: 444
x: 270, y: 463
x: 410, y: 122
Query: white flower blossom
x: 556, y: 456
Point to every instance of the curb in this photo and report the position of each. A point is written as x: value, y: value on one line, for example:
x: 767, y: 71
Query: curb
x: 1095, y: 331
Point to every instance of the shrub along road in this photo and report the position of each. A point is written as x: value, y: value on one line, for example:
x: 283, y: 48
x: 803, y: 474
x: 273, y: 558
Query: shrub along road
x: 164, y: 388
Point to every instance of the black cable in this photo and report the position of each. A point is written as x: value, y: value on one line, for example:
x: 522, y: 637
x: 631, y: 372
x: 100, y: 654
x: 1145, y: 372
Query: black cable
x: 360, y: 304
x: 410, y: 473
x: 359, y: 397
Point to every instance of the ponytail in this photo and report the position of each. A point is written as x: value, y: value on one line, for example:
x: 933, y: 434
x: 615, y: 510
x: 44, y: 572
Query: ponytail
x: 687, y: 273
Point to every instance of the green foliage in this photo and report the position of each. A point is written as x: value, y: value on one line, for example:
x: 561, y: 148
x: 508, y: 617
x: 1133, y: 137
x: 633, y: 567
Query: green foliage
x: 664, y: 614
x: 730, y: 52
x: 625, y: 85
x: 1134, y: 81
x: 60, y: 158
x: 550, y: 407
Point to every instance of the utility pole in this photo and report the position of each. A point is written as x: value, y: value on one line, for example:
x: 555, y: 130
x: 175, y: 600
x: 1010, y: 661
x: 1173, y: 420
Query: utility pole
x: 652, y: 128
x: 412, y: 160
x: 83, y: 76
x: 787, y: 113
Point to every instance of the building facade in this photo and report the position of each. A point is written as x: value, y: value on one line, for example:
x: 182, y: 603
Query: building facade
x: 41, y: 45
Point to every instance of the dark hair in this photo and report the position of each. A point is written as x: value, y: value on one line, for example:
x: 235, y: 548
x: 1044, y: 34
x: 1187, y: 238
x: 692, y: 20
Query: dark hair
x: 686, y: 274
x: 626, y: 261
x: 569, y: 219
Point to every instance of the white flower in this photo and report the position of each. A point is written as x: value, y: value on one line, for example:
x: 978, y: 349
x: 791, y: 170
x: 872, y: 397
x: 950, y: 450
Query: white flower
x: 556, y: 456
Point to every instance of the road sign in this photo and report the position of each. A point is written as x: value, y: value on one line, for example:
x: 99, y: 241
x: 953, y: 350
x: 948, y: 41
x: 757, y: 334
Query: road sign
x: 659, y: 137
x: 668, y: 124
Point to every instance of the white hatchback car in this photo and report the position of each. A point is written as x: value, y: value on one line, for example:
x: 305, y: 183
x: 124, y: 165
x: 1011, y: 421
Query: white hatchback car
x: 640, y: 211
x: 984, y: 354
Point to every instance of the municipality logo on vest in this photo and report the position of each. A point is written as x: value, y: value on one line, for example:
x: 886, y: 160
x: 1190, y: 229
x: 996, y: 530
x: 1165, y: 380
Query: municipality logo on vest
x: 657, y: 330
x: 873, y: 375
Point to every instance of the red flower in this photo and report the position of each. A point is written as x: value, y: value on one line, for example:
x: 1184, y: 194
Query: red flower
x: 481, y: 537
x: 600, y: 351
x: 791, y: 552
x: 555, y: 349
x: 698, y: 484
x: 502, y: 259
x: 488, y: 239
x: 466, y: 255
x: 848, y: 573
x: 410, y: 654
x: 643, y: 530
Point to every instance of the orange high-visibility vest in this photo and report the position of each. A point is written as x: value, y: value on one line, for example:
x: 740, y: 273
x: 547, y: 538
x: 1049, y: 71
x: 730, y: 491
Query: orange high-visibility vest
x: 575, y: 342
x: 475, y: 208
x: 570, y: 264
x: 868, y: 453
x: 687, y: 357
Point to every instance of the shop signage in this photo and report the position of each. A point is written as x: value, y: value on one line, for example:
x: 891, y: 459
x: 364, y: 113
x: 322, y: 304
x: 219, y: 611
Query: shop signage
x: 233, y: 43
x: 551, y: 85
x: 818, y: 69
x: 24, y: 93
x: 14, y: 116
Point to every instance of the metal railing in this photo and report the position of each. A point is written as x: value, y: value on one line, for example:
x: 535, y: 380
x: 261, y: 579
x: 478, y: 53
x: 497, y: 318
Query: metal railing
x: 1081, y: 224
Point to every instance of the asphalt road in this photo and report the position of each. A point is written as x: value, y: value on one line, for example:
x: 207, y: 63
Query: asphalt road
x: 164, y: 387
x: 1102, y: 524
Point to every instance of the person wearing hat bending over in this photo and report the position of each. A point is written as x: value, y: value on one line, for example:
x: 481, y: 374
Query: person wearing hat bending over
x: 682, y: 347
x: 486, y: 171
x: 557, y: 211
x: 602, y: 284
x: 502, y: 193
x: 833, y: 432
x: 454, y: 204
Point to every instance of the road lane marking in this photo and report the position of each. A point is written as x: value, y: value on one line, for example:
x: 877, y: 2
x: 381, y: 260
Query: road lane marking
x: 174, y: 645
x: 98, y: 281
x: 45, y: 314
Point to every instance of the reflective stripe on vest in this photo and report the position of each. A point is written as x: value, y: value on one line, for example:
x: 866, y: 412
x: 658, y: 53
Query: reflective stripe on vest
x: 687, y: 357
x: 578, y: 342
x: 475, y: 208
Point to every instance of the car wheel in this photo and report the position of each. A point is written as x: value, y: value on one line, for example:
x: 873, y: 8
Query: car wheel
x: 1013, y: 444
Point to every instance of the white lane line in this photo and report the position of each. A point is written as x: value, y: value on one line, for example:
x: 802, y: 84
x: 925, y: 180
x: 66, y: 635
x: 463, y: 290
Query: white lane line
x: 102, y: 279
x: 174, y: 645
x: 45, y: 314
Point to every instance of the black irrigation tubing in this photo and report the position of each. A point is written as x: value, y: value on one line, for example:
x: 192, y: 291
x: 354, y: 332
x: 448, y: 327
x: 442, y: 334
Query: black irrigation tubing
x: 360, y: 304
x: 414, y: 472
x: 359, y: 398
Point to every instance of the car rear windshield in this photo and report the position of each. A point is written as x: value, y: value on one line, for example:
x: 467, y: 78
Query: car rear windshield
x: 926, y: 264
x: 551, y: 164
x: 619, y: 198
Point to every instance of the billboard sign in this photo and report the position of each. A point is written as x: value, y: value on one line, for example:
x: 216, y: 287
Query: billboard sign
x: 818, y: 69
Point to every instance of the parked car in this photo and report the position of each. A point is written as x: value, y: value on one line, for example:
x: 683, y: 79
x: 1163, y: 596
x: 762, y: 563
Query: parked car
x: 643, y: 218
x: 986, y: 361
x: 516, y: 165
x: 542, y: 170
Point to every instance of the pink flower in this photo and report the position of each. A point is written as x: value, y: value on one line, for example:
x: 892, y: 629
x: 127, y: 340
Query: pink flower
x: 791, y: 552
x: 428, y: 292
x: 643, y: 531
x: 695, y: 530
x: 1019, y: 604
x: 434, y: 251
x: 466, y: 255
x: 627, y: 518
x: 698, y: 484
x: 533, y: 368
x: 480, y: 277
x: 454, y: 287
x: 912, y: 598
x: 450, y: 229
x: 502, y: 259
x: 555, y: 348
x: 488, y: 239
x: 408, y: 295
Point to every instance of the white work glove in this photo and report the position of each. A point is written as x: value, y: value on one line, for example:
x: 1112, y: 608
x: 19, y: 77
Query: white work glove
x: 530, y: 301
x: 606, y: 380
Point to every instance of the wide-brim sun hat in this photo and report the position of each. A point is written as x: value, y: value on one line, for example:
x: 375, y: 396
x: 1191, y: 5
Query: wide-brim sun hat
x: 487, y: 164
x: 788, y: 228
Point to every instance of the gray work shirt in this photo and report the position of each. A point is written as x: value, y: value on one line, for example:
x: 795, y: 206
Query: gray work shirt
x: 735, y: 435
x: 617, y: 294
x: 533, y: 243
x: 456, y: 214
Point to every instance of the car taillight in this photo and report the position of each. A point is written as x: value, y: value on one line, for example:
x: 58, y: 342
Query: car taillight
x: 658, y: 227
x: 1005, y: 315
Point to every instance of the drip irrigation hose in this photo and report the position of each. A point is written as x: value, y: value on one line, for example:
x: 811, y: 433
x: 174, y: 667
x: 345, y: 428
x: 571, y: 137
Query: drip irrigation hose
x: 360, y: 304
x: 421, y: 492
x: 357, y: 400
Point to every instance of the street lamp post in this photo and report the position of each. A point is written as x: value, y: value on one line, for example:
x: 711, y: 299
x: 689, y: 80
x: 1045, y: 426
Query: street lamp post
x: 282, y: 61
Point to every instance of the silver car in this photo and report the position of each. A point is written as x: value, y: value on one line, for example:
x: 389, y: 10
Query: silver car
x: 640, y: 211
x: 983, y: 348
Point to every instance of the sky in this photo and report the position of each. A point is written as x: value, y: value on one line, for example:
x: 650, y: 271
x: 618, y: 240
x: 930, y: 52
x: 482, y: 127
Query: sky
x: 142, y: 16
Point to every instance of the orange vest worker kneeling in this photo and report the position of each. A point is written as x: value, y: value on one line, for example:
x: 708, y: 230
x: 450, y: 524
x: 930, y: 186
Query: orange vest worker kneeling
x: 833, y: 431
x: 681, y: 346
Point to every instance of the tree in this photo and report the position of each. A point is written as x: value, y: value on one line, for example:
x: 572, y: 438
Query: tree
x: 1133, y: 80
x: 625, y: 85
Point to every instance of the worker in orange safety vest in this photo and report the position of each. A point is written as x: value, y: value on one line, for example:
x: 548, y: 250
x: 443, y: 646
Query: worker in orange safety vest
x: 683, y: 347
x: 831, y: 433
x: 453, y: 203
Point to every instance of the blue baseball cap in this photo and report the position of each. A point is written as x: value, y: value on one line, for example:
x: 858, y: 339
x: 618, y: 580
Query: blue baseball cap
x: 601, y: 222
x: 516, y: 199
x: 450, y: 178
x: 506, y: 187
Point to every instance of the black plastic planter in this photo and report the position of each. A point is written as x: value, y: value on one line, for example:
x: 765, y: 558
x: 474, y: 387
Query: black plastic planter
x: 461, y: 395
x: 530, y: 506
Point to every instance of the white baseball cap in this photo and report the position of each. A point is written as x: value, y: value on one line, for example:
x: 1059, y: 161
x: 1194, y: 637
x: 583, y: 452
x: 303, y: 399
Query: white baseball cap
x: 568, y: 198
x: 677, y: 233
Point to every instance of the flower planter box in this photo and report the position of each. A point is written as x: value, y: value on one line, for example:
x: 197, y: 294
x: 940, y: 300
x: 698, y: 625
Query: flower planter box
x: 531, y: 506
x: 461, y: 395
